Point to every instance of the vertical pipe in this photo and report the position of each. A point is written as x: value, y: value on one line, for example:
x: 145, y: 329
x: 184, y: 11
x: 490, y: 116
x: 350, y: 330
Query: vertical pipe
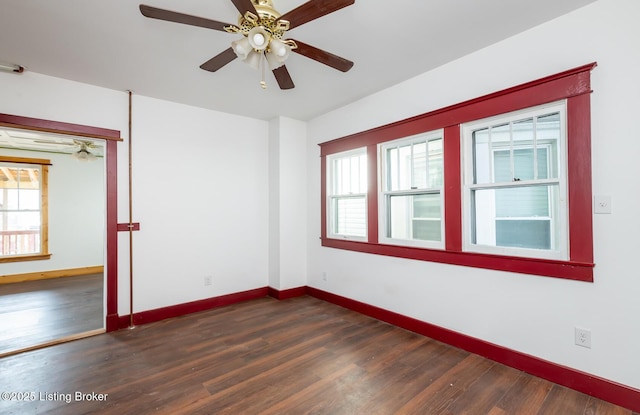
x: 131, y: 324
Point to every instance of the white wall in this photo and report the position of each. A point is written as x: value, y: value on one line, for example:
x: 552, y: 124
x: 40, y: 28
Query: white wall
x: 200, y: 185
x: 288, y: 213
x: 76, y: 214
x: 531, y: 314
x: 200, y: 188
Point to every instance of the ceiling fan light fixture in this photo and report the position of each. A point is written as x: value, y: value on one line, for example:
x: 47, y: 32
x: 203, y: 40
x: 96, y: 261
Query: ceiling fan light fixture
x: 259, y: 38
x: 242, y: 47
x: 253, y: 59
x: 274, y: 61
x: 83, y: 155
x: 280, y: 49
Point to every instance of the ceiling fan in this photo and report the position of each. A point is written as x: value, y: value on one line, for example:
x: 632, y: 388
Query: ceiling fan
x: 263, y: 29
x: 83, y: 153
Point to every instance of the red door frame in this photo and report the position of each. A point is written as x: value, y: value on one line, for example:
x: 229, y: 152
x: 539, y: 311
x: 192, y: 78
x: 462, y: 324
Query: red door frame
x: 111, y: 138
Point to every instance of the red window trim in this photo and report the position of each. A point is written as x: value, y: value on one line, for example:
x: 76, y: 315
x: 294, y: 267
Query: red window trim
x: 574, y: 86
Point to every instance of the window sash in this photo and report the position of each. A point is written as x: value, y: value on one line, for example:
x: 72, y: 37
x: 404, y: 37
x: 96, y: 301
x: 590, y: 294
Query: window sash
x: 23, y: 215
x: 412, y: 171
x: 347, y: 195
x: 500, y: 183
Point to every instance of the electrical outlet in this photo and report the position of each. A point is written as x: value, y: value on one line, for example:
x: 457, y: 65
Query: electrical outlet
x: 324, y: 275
x: 208, y: 280
x: 602, y: 204
x: 583, y: 337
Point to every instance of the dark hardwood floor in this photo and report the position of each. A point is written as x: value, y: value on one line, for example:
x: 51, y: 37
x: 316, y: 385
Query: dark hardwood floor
x: 37, y: 312
x: 298, y: 356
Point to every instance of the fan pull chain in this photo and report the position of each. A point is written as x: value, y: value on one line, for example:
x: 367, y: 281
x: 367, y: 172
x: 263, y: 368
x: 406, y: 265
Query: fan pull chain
x: 263, y: 59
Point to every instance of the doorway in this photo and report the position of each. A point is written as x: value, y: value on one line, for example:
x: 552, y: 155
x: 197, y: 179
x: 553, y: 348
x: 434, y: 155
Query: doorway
x: 83, y: 302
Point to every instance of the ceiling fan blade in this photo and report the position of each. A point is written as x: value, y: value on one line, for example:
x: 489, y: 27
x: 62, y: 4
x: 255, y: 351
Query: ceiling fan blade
x: 283, y: 78
x: 244, y: 6
x: 219, y: 60
x: 169, y: 16
x: 322, y: 56
x: 312, y: 10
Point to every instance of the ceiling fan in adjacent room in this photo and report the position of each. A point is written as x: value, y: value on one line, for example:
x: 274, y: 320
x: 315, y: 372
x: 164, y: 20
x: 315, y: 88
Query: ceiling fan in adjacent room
x: 263, y: 43
x: 83, y: 152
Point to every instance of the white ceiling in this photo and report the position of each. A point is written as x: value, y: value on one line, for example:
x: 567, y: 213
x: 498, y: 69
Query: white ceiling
x: 110, y: 44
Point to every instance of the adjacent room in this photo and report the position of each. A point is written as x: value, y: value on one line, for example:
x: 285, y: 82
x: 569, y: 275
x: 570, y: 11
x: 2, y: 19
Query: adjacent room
x: 324, y: 206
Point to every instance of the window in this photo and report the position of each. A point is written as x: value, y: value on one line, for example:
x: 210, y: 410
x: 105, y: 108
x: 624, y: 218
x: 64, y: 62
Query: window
x: 23, y: 209
x: 348, y: 195
x: 501, y: 182
x: 411, y: 193
x: 515, y: 185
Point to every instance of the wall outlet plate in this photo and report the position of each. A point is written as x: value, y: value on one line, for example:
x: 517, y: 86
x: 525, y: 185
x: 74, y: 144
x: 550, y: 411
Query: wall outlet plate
x: 602, y: 204
x: 583, y: 337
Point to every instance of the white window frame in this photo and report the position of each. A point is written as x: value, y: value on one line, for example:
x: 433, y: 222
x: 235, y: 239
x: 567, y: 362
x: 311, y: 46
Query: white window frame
x: 562, y: 229
x: 384, y: 194
x: 331, y: 197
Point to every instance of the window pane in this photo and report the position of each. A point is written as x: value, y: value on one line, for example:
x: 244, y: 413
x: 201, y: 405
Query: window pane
x: 392, y: 169
x: 516, y: 217
x: 535, y: 234
x: 29, y: 199
x: 523, y: 142
x: 11, y: 202
x: 349, y: 175
x: 404, y: 168
x: 481, y: 157
x: 349, y: 216
x: 522, y: 202
x: 436, y: 163
x: 548, y: 135
x: 414, y: 217
x: 420, y: 165
x: 20, y: 234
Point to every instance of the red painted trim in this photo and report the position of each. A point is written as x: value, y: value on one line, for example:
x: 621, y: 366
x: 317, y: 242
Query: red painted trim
x: 579, y: 184
x: 372, y: 194
x: 323, y: 197
x: 286, y: 294
x: 572, y: 85
x: 112, y: 235
x: 111, y: 137
x: 548, y: 89
x: 177, y: 310
x: 59, y: 127
x: 600, y: 388
x: 544, y: 267
x: 124, y: 227
x: 452, y: 186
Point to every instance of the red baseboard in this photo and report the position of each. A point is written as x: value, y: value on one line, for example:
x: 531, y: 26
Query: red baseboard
x: 600, y: 388
x: 158, y: 314
x: 286, y: 294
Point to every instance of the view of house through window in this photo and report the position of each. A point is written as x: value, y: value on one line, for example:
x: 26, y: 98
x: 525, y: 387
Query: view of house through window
x: 516, y: 186
x: 22, y: 218
x: 411, y: 199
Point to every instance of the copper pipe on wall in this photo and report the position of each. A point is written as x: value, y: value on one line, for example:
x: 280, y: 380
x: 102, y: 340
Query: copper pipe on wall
x: 131, y: 324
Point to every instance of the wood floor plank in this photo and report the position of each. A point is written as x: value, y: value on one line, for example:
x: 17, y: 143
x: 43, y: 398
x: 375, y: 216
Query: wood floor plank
x: 562, y: 401
x: 38, y: 312
x: 526, y: 396
x: 298, y: 356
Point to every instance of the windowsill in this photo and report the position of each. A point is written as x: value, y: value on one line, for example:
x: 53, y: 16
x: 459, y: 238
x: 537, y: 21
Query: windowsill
x: 534, y: 266
x: 21, y: 258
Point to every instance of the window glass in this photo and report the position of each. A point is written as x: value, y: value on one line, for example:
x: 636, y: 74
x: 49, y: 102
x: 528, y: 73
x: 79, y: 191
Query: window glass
x: 347, y: 215
x: 515, y: 191
x: 20, y: 215
x: 411, y: 196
